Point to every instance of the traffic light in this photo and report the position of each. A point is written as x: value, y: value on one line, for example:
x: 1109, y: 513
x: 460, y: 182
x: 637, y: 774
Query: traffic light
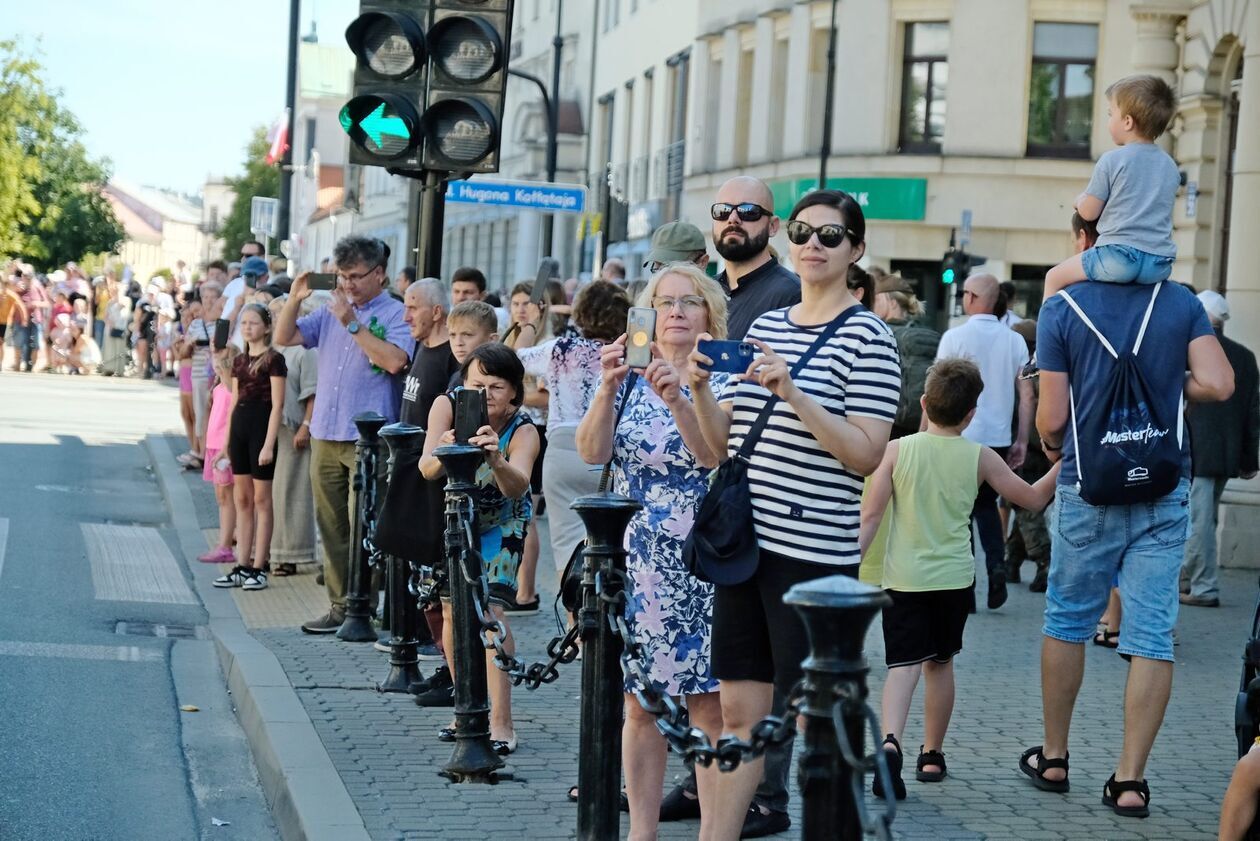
x: 429, y: 84
x: 954, y: 265
x: 468, y: 60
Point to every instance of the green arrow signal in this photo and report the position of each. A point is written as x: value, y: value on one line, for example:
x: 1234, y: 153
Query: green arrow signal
x: 376, y: 124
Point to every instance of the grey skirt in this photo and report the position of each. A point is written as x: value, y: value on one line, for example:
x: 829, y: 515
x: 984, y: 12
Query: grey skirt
x: 565, y: 478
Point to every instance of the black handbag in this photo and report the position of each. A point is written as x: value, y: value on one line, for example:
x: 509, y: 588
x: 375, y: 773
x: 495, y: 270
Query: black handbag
x: 722, y: 547
x: 570, y: 594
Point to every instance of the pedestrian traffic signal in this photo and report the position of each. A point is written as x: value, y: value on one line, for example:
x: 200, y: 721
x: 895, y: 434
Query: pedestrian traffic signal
x: 953, y: 265
x: 429, y: 84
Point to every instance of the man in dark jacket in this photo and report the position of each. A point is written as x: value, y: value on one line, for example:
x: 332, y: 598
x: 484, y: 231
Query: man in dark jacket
x: 1224, y: 443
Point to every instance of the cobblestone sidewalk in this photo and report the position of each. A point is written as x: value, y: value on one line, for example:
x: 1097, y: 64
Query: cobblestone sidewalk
x: 385, y: 748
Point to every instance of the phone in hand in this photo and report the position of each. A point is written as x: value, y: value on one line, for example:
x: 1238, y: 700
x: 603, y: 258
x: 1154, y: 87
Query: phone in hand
x: 470, y: 413
x: 547, y: 269
x: 728, y: 356
x: 321, y: 282
x: 222, y: 329
x: 640, y: 331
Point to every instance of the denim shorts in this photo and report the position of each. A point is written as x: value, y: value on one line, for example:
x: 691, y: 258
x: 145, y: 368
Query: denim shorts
x: 1140, y: 547
x: 1124, y: 264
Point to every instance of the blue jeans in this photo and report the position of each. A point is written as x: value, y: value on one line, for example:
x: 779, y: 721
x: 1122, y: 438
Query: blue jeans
x: 25, y: 342
x: 1124, y: 264
x: 98, y: 332
x: 1200, y: 558
x: 1144, y: 543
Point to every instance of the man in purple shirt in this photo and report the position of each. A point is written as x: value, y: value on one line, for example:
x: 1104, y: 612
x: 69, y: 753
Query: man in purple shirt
x: 364, y: 344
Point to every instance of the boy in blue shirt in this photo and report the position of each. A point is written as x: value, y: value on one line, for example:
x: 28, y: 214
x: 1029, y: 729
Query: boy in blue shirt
x: 1130, y: 194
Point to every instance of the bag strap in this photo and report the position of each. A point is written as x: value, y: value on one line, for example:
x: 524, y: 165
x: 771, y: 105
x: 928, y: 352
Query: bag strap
x: 763, y: 419
x: 1146, y: 319
x: 626, y: 388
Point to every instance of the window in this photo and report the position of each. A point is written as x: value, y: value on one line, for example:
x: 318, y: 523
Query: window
x: 925, y: 72
x: 1061, y: 95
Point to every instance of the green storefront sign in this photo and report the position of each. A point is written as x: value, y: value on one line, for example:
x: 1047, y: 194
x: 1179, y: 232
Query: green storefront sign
x: 880, y: 198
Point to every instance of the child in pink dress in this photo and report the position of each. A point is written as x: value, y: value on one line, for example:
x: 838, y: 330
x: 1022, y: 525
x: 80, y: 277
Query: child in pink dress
x: 217, y: 469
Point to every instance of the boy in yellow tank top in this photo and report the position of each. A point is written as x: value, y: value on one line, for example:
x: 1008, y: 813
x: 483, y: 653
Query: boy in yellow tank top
x: 927, y: 483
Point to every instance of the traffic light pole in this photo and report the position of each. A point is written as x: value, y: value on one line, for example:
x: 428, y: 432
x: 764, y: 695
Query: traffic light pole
x: 553, y: 120
x: 429, y: 226
x: 286, y: 157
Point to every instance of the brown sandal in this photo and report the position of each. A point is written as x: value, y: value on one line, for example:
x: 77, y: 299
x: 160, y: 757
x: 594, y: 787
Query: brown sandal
x: 282, y: 570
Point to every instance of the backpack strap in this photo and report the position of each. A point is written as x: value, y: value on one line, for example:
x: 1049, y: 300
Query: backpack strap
x: 1146, y: 319
x: 1085, y: 318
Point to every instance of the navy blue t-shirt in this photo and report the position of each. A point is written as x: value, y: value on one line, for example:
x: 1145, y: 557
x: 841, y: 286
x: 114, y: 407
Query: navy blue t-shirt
x: 1066, y: 345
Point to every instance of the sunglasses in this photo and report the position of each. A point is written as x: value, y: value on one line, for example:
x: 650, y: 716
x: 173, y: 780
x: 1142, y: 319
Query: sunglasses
x: 830, y: 235
x: 747, y: 212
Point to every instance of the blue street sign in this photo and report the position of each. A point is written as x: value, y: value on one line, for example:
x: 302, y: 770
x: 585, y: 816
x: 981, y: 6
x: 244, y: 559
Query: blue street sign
x: 525, y: 195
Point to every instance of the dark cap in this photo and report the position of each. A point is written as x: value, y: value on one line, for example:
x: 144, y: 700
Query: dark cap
x: 675, y: 242
x: 255, y: 266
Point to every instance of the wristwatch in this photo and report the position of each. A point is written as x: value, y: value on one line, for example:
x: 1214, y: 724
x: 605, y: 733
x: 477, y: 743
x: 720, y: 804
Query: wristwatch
x: 353, y: 327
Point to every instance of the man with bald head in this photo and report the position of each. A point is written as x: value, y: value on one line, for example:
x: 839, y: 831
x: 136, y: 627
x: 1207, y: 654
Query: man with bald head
x: 743, y: 222
x: 1000, y: 354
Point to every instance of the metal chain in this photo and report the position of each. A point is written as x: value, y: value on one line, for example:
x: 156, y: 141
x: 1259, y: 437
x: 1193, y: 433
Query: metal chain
x: 563, y: 649
x: 848, y: 701
x: 672, y: 720
x: 368, y: 506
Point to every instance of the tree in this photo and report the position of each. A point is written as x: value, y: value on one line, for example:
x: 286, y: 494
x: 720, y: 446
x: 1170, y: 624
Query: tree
x: 260, y: 179
x: 51, y: 206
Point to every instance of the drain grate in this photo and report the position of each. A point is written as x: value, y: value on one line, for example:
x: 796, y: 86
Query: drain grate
x: 154, y: 629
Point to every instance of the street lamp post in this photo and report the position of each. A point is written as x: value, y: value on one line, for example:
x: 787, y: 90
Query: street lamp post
x: 828, y: 106
x: 553, y: 120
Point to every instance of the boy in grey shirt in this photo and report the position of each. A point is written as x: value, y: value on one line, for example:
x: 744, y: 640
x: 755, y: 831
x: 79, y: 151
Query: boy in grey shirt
x: 1130, y: 195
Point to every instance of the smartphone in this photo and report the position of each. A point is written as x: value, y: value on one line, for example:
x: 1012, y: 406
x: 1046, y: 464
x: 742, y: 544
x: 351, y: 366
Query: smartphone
x: 640, y: 330
x: 547, y: 269
x: 728, y: 356
x: 321, y: 282
x: 470, y: 413
x: 222, y: 329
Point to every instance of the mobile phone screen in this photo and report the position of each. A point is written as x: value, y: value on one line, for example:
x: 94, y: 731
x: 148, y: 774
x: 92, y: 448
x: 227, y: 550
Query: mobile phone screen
x: 221, y: 330
x: 640, y: 330
x: 322, y: 282
x: 470, y: 413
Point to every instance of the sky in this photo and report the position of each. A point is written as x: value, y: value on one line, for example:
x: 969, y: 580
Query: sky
x: 168, y: 90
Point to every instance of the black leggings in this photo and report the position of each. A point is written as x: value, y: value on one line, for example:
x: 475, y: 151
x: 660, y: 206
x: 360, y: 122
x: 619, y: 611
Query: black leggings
x: 245, y: 443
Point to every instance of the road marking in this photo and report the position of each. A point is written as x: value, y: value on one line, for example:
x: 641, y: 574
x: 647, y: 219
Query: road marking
x: 118, y: 653
x: 133, y: 564
x: 4, y: 540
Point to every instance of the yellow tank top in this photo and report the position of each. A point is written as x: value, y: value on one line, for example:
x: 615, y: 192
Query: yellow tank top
x: 929, y: 539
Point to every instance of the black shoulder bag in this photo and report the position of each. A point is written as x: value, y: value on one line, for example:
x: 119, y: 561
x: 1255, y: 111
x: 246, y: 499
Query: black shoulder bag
x: 571, y: 578
x: 722, y: 547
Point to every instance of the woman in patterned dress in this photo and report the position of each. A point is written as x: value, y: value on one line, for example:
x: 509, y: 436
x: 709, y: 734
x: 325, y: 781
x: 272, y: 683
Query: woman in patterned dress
x: 663, y: 463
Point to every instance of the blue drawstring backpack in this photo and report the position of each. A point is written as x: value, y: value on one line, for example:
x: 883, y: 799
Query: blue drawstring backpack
x: 1126, y: 451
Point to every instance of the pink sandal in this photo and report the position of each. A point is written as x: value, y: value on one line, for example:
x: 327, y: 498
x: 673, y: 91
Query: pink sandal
x: 219, y: 555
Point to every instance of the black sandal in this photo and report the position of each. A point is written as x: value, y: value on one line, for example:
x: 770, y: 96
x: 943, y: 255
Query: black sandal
x: 1114, y: 788
x: 285, y: 569
x: 894, y: 759
x: 1038, y: 771
x: 625, y: 801
x: 930, y: 757
x: 1105, y: 637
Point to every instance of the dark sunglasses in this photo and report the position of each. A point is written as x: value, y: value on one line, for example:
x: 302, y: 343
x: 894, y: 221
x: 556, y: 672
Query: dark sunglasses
x: 831, y: 235
x: 747, y: 212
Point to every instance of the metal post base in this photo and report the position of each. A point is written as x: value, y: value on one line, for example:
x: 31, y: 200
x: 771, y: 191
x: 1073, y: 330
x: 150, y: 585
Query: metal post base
x: 404, y: 669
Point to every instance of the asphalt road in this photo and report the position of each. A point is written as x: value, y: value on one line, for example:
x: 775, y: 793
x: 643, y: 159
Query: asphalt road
x: 102, y: 639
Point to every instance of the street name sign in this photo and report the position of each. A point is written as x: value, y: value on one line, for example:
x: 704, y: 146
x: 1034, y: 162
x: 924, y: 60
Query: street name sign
x: 523, y: 195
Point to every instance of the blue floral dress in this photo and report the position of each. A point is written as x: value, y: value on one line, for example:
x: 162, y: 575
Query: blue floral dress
x: 670, y: 611
x: 502, y: 521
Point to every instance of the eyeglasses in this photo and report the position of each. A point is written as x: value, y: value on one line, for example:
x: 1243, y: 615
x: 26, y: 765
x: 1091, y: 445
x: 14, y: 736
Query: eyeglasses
x: 747, y: 211
x: 689, y: 303
x: 355, y: 278
x: 830, y: 235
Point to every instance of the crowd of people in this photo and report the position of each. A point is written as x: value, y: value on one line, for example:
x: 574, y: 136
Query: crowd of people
x: 873, y: 446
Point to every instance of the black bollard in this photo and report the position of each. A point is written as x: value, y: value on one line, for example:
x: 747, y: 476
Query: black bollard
x: 405, y: 442
x: 473, y: 760
x: 360, y: 599
x: 606, y: 516
x: 837, y: 612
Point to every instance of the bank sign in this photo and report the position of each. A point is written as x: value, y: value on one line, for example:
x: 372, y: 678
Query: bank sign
x: 880, y: 198
x: 524, y: 195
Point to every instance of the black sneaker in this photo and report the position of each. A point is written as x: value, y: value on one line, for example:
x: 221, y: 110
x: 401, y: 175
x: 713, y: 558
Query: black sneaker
x: 238, y: 576
x: 681, y: 804
x: 329, y: 623
x: 439, y: 690
x: 759, y: 824
x: 997, y: 588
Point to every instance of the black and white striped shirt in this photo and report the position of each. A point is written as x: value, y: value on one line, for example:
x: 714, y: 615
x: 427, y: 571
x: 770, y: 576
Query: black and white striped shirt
x: 806, y: 504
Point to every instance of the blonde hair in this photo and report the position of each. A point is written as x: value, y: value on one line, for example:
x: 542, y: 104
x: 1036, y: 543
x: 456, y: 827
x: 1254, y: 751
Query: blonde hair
x: 1147, y: 99
x: 705, y: 286
x: 910, y: 305
x: 478, y: 313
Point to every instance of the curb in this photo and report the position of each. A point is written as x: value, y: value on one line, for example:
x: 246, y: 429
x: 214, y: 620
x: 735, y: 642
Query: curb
x: 308, y: 800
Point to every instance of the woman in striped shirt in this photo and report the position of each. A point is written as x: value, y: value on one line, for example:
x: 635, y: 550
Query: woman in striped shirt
x: 828, y: 429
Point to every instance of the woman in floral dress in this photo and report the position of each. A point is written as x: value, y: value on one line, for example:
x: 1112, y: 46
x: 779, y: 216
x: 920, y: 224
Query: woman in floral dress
x: 662, y: 462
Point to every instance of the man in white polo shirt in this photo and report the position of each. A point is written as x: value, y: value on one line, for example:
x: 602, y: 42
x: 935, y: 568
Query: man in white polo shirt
x: 1000, y: 353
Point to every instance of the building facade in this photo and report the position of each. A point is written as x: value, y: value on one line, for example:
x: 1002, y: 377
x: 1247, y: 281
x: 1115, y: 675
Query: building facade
x: 162, y: 228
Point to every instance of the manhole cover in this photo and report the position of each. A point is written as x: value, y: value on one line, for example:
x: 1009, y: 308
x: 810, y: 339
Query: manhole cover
x: 154, y: 629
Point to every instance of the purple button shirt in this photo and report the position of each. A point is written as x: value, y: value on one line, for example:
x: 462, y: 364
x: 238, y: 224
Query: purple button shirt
x: 347, y: 384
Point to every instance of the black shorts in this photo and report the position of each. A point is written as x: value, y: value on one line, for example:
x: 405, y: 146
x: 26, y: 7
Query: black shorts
x: 925, y: 626
x: 755, y: 635
x: 245, y: 443
x: 535, y: 478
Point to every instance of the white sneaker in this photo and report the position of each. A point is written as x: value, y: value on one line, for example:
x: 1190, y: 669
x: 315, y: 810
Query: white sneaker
x: 382, y: 645
x: 256, y: 580
x: 235, y: 578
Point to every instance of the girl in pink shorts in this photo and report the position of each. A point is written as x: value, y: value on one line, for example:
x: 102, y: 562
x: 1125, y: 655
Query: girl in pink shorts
x: 217, y: 470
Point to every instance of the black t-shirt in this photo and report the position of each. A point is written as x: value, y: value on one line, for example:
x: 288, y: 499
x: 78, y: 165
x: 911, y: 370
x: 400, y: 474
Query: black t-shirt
x: 431, y: 370
x: 255, y: 385
x: 770, y: 286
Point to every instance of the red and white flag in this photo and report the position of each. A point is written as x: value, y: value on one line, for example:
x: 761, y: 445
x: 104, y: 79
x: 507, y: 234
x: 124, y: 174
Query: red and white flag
x: 278, y: 137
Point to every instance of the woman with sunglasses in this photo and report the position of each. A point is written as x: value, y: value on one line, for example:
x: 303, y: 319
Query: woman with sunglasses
x: 828, y: 428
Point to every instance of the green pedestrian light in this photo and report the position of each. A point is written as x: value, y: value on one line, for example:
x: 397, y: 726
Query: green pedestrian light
x: 947, y: 276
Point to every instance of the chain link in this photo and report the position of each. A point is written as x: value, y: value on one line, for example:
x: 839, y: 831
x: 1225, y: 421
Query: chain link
x: 367, y: 487
x: 563, y: 649
x: 849, y: 701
